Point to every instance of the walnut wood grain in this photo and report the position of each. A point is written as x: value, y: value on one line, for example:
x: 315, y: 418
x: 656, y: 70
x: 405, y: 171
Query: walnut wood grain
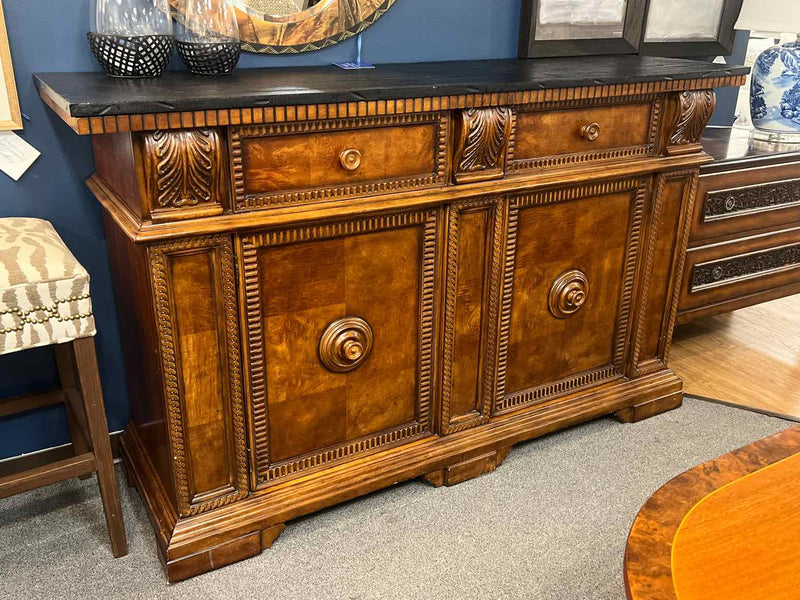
x: 550, y: 135
x: 692, y: 110
x: 722, y: 272
x: 290, y: 164
x: 183, y: 173
x: 665, y: 253
x: 198, y: 332
x: 482, y: 136
x: 436, y: 219
x: 297, y: 282
x: 652, y: 555
x: 543, y: 355
x: 472, y: 303
x: 741, y: 243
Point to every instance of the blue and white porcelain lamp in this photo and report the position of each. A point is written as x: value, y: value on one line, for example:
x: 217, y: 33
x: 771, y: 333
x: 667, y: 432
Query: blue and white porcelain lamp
x: 775, y: 80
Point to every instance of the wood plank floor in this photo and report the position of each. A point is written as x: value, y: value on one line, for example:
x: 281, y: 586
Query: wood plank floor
x: 749, y: 357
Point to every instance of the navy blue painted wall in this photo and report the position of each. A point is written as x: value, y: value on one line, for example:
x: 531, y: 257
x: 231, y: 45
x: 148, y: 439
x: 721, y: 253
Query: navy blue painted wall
x: 48, y: 35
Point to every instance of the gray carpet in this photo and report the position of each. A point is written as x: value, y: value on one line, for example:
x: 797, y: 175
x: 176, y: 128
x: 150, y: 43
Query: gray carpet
x: 550, y: 524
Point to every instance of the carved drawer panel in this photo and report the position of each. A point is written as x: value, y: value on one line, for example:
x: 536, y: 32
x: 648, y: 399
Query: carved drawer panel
x: 550, y: 136
x: 340, y: 322
x: 570, y: 263
x: 723, y: 272
x: 736, y: 202
x: 316, y: 161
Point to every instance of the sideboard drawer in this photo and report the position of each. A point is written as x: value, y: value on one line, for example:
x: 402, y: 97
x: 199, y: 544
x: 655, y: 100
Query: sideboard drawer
x: 339, y: 340
x: 725, y: 272
x: 547, y: 137
x: 291, y: 163
x: 741, y: 201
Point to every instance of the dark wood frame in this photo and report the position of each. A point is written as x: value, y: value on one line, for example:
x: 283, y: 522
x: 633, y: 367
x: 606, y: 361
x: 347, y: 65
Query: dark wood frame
x: 633, y: 28
x: 721, y: 47
x: 82, y: 395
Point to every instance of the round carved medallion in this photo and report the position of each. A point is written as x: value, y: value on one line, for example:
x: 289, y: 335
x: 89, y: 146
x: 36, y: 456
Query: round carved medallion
x: 568, y: 294
x: 345, y: 344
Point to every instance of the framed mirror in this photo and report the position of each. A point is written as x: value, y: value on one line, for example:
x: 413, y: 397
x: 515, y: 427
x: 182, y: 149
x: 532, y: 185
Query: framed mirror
x: 294, y: 26
x: 580, y: 27
x: 692, y: 28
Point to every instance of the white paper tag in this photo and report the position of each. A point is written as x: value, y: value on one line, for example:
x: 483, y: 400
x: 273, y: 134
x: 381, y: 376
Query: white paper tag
x: 16, y: 155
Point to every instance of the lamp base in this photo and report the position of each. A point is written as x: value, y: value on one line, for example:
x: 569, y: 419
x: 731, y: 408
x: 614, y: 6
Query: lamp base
x: 775, y: 94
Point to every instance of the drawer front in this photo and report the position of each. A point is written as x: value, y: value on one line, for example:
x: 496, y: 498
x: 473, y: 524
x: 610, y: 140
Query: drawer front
x: 566, y: 303
x: 285, y: 164
x: 741, y: 201
x: 725, y: 272
x: 340, y: 322
x: 549, y: 137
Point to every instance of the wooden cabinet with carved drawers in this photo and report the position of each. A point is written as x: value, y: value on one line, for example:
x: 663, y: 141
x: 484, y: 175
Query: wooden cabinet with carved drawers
x: 744, y: 244
x: 320, y: 298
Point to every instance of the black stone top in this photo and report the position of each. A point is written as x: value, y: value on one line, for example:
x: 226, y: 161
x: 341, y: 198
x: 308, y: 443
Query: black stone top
x: 734, y: 148
x: 92, y: 94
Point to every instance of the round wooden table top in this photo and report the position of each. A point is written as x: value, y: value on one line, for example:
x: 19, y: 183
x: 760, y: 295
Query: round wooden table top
x: 728, y: 529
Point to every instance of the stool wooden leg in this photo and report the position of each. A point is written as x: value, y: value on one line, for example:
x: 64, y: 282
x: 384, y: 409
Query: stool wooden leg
x: 92, y: 393
x: 66, y: 374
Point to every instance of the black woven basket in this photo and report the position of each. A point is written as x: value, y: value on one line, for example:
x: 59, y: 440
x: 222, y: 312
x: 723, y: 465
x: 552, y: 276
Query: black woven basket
x: 131, y: 55
x: 209, y: 58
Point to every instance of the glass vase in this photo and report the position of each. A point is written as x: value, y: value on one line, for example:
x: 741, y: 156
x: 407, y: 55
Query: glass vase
x: 131, y: 38
x: 207, y: 36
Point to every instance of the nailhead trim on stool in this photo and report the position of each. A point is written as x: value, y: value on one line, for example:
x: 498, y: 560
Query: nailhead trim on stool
x: 44, y: 290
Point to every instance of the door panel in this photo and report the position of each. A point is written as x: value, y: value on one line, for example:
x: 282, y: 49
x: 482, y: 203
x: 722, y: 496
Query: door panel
x: 474, y: 257
x: 340, y: 335
x: 570, y: 264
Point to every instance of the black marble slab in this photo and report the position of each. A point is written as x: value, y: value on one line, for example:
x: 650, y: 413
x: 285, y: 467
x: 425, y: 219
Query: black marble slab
x: 92, y: 94
x: 734, y: 148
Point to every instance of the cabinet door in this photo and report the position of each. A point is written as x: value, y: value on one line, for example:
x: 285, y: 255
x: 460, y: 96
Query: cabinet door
x: 339, y: 329
x: 571, y: 257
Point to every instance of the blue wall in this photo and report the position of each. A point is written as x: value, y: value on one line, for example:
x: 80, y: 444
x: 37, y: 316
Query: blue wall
x: 48, y: 35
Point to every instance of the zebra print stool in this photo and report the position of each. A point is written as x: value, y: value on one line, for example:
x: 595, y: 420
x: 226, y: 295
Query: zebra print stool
x: 44, y: 300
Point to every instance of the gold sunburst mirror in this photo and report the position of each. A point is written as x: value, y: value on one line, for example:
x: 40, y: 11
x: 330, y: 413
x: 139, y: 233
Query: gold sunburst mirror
x: 294, y: 26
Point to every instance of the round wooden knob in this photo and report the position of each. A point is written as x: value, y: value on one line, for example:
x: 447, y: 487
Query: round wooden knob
x: 568, y: 294
x: 345, y: 344
x: 350, y: 159
x: 590, y: 131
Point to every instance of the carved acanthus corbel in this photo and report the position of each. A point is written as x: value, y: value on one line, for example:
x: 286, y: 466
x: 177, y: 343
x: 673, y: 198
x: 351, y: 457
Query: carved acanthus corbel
x: 692, y: 109
x: 183, y: 170
x: 481, y: 143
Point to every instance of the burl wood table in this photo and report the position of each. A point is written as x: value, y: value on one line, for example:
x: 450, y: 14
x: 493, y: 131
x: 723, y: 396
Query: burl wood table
x: 725, y: 530
x: 330, y: 281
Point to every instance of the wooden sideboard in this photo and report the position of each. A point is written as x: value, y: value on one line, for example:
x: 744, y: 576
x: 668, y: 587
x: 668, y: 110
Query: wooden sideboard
x: 332, y: 281
x: 744, y: 244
